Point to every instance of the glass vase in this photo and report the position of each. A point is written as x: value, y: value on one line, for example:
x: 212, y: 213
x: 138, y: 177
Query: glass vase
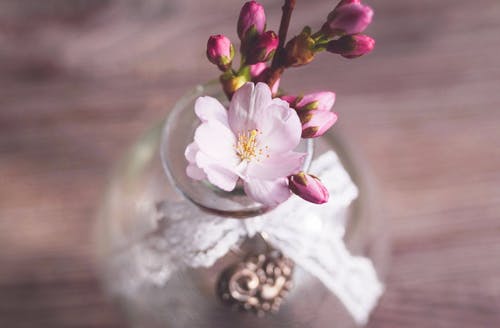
x: 152, y: 174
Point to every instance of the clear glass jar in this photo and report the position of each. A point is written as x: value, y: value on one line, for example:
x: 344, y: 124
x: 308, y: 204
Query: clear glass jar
x: 154, y: 171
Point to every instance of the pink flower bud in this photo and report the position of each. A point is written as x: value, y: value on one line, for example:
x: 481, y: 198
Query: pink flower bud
x: 352, y: 46
x: 308, y: 187
x: 347, y: 2
x: 220, y: 51
x: 275, y: 87
x: 291, y: 100
x: 252, y: 20
x: 260, y: 73
x: 263, y: 48
x: 257, y: 69
x: 348, y: 19
x: 322, y: 100
x: 316, y: 122
x: 299, y: 50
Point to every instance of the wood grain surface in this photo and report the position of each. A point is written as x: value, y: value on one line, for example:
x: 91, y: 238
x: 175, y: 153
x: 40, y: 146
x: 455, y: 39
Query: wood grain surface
x: 80, y: 80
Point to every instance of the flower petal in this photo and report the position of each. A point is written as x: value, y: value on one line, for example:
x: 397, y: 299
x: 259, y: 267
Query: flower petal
x: 209, y: 108
x: 217, y: 142
x: 191, y: 151
x: 262, y: 101
x: 262, y: 98
x: 268, y: 192
x: 280, y: 126
x: 239, y: 108
x: 276, y: 166
x: 249, y: 105
x: 219, y: 175
x: 194, y: 172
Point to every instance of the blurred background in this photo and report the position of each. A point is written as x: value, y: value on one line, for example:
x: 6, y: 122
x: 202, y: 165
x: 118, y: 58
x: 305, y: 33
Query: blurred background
x: 80, y: 80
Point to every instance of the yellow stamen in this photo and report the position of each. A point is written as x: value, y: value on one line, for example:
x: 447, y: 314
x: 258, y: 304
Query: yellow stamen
x: 246, y: 146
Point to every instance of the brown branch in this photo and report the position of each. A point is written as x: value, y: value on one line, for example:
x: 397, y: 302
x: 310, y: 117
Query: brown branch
x: 277, y: 65
x: 284, y: 24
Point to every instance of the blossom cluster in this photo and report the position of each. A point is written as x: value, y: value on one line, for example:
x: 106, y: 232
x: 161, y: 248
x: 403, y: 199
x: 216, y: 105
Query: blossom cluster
x: 253, y: 142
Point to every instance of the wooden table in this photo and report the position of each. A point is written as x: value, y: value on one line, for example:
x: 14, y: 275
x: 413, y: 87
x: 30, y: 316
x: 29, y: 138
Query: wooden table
x: 79, y: 81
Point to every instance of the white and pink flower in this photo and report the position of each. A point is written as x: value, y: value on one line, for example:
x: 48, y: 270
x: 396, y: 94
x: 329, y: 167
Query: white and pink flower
x: 253, y: 141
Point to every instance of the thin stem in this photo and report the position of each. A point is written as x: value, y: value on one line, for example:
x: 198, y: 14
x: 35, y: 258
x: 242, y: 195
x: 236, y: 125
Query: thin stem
x: 277, y: 66
x: 284, y: 25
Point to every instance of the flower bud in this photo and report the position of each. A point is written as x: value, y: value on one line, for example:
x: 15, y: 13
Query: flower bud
x: 252, y: 20
x: 263, y: 48
x: 275, y: 87
x: 220, y: 51
x: 316, y: 122
x: 351, y: 18
x: 322, y: 101
x: 260, y: 73
x: 351, y: 46
x: 257, y: 69
x: 308, y: 187
x: 299, y: 50
x: 291, y: 100
x: 346, y: 2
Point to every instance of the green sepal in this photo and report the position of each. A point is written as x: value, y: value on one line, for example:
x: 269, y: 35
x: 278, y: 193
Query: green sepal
x: 245, y: 72
x: 311, y: 106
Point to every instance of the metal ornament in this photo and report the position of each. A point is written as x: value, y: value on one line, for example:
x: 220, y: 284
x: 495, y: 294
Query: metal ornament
x: 258, y: 284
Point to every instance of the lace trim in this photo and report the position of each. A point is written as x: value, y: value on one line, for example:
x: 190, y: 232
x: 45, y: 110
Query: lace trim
x: 311, y: 235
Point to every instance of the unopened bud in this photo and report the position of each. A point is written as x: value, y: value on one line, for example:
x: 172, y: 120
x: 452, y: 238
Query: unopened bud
x: 291, y: 100
x: 257, y: 69
x: 276, y: 86
x: 347, y: 2
x: 322, y: 100
x: 308, y: 187
x: 352, y: 46
x: 261, y: 73
x: 252, y: 20
x: 263, y: 49
x: 352, y: 18
x: 299, y: 50
x: 220, y: 51
x: 316, y: 122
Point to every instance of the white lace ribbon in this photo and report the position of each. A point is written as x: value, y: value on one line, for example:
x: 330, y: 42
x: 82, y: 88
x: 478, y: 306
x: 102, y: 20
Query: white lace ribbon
x: 312, y: 235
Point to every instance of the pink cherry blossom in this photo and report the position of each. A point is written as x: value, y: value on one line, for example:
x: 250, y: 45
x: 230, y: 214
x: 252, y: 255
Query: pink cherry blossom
x: 252, y: 141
